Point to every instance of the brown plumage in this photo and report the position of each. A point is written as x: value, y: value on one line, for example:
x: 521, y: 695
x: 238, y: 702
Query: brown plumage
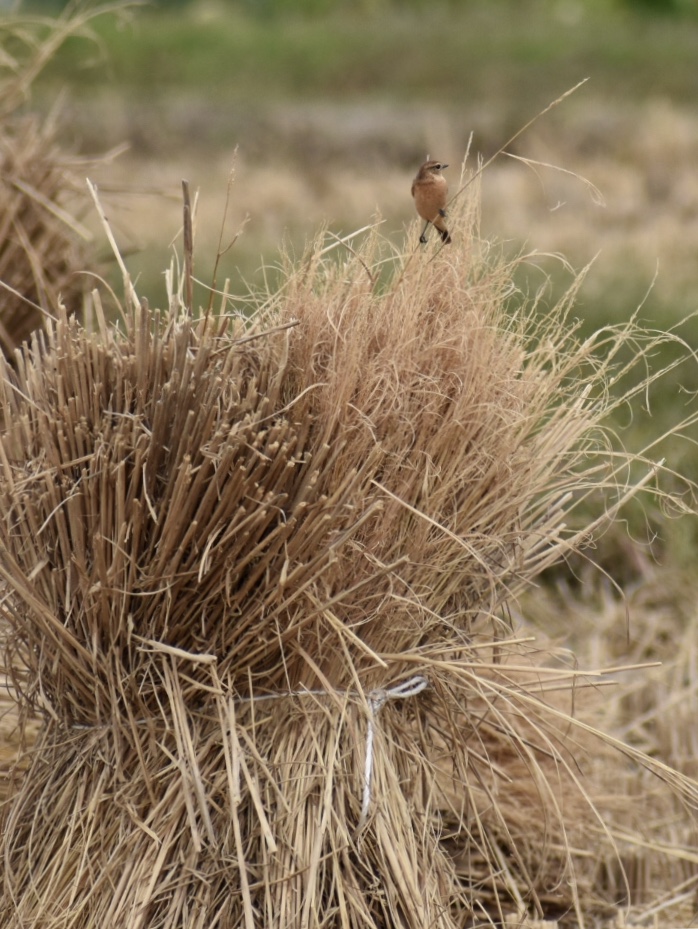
x: 429, y: 190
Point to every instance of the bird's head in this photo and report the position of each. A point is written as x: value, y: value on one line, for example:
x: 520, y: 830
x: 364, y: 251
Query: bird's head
x: 432, y: 167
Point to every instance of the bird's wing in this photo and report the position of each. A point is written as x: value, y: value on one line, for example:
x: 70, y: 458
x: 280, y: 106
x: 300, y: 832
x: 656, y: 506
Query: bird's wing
x: 414, y: 184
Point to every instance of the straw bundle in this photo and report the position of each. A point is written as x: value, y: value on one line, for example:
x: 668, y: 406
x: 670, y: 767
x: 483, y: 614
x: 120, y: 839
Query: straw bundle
x: 42, y: 246
x: 257, y: 573
x: 42, y: 241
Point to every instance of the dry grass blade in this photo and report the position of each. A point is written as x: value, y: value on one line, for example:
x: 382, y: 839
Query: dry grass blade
x: 30, y: 42
x: 188, y: 239
x: 228, y: 544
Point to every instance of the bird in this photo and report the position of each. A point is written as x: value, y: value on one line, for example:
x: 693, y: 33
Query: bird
x: 429, y: 189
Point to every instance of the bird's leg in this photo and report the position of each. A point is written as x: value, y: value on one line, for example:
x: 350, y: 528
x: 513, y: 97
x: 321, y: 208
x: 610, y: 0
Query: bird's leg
x: 423, y: 236
x: 443, y: 231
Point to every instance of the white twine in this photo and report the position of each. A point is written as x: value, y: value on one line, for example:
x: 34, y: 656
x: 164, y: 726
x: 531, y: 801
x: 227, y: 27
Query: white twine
x: 376, y: 700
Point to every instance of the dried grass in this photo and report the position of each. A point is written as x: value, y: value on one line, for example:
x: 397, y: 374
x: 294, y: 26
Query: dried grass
x: 42, y: 246
x: 227, y: 540
x: 655, y: 711
x: 43, y: 243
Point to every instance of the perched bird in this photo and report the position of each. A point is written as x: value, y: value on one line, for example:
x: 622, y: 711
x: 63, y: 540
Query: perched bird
x: 429, y: 190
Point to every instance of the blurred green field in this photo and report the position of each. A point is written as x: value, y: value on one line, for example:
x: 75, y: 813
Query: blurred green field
x: 504, y: 52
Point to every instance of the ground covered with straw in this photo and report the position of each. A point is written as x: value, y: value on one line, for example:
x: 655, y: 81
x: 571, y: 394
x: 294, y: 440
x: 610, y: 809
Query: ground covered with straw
x: 259, y: 574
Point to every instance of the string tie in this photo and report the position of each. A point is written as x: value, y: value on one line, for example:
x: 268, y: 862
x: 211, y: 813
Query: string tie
x: 376, y: 701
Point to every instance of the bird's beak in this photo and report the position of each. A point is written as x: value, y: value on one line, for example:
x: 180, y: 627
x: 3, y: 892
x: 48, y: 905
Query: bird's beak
x: 444, y: 166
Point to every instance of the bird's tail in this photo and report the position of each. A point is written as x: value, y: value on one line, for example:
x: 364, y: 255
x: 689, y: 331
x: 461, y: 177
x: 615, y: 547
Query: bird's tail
x: 445, y: 236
